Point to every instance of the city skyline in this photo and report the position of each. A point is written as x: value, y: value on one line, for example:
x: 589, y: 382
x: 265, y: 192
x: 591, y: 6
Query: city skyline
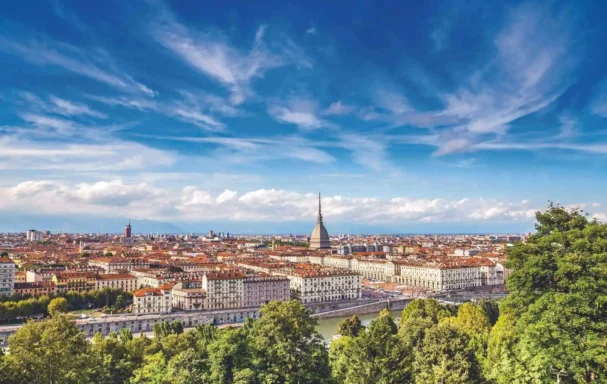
x: 431, y: 118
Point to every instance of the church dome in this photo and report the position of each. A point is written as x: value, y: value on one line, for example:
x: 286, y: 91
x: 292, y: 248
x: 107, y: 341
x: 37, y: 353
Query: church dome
x: 320, y: 237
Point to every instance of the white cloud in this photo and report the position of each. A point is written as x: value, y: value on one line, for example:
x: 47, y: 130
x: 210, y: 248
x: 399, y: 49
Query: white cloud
x: 369, y: 151
x: 311, y: 31
x: 531, y: 68
x: 249, y: 150
x: 95, y: 64
x: 530, y: 71
x: 115, y: 198
x: 215, y: 57
x: 68, y: 108
x: 226, y: 195
x: 189, y: 109
x: 299, y: 111
x: 23, y: 154
x: 338, y: 108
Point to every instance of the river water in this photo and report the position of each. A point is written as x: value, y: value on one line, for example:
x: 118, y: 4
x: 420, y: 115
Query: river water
x: 328, y: 327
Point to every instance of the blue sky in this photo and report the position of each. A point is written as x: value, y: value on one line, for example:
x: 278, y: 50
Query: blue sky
x: 412, y: 117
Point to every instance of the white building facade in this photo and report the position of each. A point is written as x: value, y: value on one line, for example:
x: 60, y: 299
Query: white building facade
x: 7, y: 276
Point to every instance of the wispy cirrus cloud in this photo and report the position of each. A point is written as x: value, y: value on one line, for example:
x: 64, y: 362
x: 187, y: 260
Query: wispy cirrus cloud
x: 339, y: 108
x: 111, y: 155
x: 214, y: 56
x: 95, y: 64
x: 190, y: 109
x: 531, y: 68
x: 300, y: 111
x: 56, y: 105
x: 249, y: 150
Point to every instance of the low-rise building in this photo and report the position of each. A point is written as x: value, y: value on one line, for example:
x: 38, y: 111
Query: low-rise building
x: 152, y: 300
x: 313, y: 284
x: 370, y: 268
x: 189, y: 296
x: 447, y: 273
x: 117, y: 264
x: 42, y: 288
x: 75, y: 281
x: 124, y: 281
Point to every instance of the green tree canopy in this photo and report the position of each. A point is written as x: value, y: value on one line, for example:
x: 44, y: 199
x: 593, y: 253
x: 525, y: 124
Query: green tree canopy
x: 350, y: 327
x: 426, y: 309
x: 51, y: 351
x: 285, y: 346
x: 375, y: 355
x: 57, y: 306
x: 558, y: 294
x: 446, y: 356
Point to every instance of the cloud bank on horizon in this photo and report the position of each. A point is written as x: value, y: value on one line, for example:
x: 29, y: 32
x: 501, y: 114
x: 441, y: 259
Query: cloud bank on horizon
x: 436, y: 114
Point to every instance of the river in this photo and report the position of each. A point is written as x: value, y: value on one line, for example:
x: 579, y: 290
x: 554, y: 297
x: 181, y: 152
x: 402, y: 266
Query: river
x: 328, y: 327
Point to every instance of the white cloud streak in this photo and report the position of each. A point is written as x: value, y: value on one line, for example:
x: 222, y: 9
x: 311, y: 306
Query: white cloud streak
x: 94, y: 64
x: 193, y: 204
x: 215, y: 57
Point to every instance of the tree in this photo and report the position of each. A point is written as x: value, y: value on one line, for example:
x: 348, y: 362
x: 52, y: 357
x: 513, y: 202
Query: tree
x: 125, y: 335
x: 375, y: 355
x: 185, y: 368
x: 446, y: 357
x: 4, y: 254
x: 286, y: 347
x: 113, y: 356
x: 558, y: 294
x: 50, y: 351
x: 227, y: 356
x: 426, y: 309
x: 153, y: 371
x: 177, y: 327
x: 503, y: 363
x: 491, y: 308
x: 350, y: 327
x: 57, y: 306
x: 119, y: 304
x: 472, y: 320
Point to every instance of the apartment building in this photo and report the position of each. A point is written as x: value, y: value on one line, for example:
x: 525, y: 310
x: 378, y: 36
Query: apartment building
x: 260, y: 289
x: 75, y: 281
x: 7, y: 276
x: 338, y: 261
x: 312, y: 284
x: 447, y: 273
x: 225, y: 289
x: 42, y: 288
x: 189, y: 296
x: 117, y: 264
x: 370, y: 268
x: 124, y: 281
x: 152, y: 300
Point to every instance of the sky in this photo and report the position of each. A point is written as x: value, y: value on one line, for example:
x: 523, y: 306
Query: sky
x: 416, y: 117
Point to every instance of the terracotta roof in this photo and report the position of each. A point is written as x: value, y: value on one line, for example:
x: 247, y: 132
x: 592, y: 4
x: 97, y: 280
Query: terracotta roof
x: 115, y: 276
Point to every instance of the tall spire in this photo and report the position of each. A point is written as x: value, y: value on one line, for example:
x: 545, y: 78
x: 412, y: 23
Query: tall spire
x: 319, y: 218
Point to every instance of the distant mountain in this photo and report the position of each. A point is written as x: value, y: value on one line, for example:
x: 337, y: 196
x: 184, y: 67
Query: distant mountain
x: 81, y: 224
x: 10, y: 222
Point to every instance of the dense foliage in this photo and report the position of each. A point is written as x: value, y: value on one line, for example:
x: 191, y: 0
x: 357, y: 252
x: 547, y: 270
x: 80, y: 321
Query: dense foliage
x: 19, y: 306
x: 282, y: 347
x: 553, y: 322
